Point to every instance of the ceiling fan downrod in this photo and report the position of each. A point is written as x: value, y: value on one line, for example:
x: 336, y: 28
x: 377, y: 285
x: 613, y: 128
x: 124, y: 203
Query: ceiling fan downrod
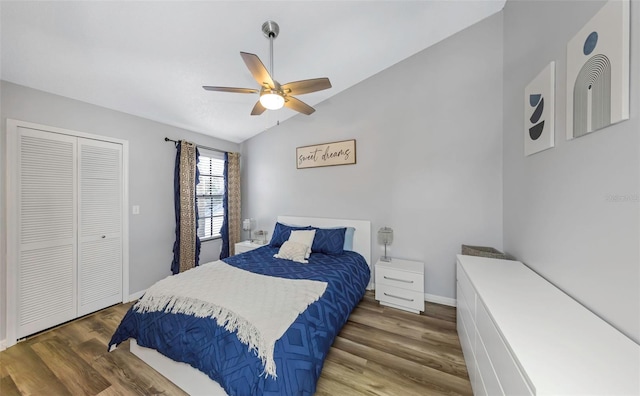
x: 271, y: 31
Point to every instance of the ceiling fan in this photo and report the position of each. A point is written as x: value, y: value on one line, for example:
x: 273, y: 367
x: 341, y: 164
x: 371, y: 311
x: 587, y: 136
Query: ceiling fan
x: 274, y: 95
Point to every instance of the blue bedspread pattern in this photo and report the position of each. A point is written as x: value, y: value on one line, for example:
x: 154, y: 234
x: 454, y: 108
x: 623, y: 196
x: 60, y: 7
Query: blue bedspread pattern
x: 299, y: 354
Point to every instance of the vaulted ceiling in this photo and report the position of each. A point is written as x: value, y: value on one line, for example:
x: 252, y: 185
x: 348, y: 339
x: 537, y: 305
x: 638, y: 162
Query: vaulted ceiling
x: 151, y: 58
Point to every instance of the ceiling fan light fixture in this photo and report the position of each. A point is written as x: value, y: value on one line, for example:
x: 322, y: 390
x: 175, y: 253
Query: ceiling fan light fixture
x: 271, y: 100
x: 273, y: 95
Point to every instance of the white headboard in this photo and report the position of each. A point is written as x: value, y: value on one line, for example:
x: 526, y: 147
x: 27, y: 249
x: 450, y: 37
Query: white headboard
x: 361, y: 237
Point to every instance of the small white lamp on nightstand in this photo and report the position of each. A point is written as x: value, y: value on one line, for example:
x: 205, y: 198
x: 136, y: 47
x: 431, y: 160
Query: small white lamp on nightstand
x: 385, y: 237
x: 246, y: 226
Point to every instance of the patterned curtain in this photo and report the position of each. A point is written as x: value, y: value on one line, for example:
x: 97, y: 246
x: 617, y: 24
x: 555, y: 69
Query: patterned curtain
x: 230, y: 230
x: 186, y: 249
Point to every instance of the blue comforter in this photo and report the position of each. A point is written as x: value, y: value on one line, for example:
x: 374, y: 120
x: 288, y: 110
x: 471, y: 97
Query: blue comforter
x: 299, y: 354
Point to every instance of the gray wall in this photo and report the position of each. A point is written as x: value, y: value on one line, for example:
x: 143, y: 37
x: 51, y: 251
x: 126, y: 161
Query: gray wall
x: 558, y: 217
x: 429, y: 141
x: 151, y: 162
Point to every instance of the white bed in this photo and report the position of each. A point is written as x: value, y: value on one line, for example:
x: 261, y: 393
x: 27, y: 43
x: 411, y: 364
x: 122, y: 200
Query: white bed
x: 194, y: 381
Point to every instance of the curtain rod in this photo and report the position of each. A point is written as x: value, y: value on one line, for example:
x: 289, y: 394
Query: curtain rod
x: 166, y: 139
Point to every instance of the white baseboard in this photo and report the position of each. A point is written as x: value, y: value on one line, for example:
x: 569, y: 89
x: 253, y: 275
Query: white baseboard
x: 3, y: 345
x: 137, y: 295
x: 440, y: 300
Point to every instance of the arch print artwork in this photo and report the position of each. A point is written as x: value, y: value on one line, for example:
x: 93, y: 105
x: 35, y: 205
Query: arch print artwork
x: 598, y: 71
x: 539, y: 105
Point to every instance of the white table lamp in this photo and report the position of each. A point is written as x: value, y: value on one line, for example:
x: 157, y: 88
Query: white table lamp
x: 246, y: 226
x: 385, y: 237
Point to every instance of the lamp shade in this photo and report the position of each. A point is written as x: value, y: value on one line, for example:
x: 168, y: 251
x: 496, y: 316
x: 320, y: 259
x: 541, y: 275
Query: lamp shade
x: 385, y: 236
x: 271, y: 100
x: 246, y: 225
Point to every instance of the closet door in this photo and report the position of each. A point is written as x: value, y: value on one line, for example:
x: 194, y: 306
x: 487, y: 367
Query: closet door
x: 100, y: 225
x: 47, y: 231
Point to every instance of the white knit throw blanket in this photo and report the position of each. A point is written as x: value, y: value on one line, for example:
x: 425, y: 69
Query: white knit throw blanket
x: 259, y: 307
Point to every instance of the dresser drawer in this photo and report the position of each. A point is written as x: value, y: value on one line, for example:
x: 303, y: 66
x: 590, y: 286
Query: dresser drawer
x: 400, y: 279
x: 467, y: 348
x: 464, y: 334
x: 397, y: 297
x: 489, y: 378
x: 465, y: 286
x: 508, y: 373
x: 465, y: 312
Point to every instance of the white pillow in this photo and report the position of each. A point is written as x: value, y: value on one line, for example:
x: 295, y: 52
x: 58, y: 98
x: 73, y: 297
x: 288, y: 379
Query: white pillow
x: 304, y: 237
x: 293, y: 251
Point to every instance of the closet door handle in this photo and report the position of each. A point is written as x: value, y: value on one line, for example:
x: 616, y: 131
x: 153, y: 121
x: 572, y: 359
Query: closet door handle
x: 104, y: 236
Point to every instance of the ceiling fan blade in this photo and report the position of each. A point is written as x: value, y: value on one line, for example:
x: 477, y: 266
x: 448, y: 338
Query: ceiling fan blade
x: 306, y: 86
x: 230, y: 89
x: 257, y: 69
x: 258, y: 109
x: 298, y: 105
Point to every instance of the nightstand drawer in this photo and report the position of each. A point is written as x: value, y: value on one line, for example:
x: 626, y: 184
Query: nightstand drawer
x: 245, y: 246
x: 399, y: 298
x: 243, y: 249
x: 400, y: 279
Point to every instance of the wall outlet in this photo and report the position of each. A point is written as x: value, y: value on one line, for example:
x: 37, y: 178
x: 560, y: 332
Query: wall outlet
x: 136, y: 209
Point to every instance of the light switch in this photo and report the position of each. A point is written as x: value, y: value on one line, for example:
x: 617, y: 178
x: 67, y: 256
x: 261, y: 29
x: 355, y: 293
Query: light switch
x: 136, y: 209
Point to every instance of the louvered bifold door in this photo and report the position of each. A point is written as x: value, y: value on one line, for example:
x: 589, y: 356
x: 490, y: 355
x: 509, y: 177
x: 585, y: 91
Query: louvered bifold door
x: 47, y: 240
x: 100, y: 225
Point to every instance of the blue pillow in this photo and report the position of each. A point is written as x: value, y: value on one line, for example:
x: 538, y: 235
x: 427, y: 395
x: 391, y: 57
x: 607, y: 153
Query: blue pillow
x: 281, y: 233
x: 348, y: 238
x: 329, y: 240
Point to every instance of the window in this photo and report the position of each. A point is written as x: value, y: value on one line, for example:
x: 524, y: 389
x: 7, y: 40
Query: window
x: 209, y: 194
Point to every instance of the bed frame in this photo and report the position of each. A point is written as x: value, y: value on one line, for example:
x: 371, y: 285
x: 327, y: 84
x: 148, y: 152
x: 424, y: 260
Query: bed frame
x: 196, y: 382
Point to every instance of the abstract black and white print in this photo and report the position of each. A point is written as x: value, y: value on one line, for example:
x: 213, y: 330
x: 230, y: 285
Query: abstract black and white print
x: 539, y: 111
x: 598, y: 71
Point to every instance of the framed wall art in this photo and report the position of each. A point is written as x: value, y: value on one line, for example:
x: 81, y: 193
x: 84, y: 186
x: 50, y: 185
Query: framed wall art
x: 598, y: 71
x: 326, y: 154
x: 539, y: 114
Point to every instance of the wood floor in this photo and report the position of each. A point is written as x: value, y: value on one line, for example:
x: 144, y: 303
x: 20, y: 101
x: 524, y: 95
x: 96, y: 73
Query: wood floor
x: 380, y: 351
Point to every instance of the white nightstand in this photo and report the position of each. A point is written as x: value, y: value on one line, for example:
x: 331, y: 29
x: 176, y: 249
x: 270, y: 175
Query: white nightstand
x: 245, y: 246
x: 400, y: 284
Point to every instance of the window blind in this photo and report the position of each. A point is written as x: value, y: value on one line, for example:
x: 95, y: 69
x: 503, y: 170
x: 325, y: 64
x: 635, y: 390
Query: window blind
x: 209, y: 193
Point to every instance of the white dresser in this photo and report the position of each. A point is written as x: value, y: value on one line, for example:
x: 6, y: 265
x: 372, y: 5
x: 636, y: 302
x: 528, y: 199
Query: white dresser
x: 523, y: 336
x: 400, y: 284
x: 246, y: 246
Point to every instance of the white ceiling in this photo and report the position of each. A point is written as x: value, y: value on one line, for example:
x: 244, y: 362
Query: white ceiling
x: 151, y: 58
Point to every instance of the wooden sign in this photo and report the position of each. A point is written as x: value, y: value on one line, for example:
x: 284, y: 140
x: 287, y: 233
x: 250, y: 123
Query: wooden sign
x: 326, y: 154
